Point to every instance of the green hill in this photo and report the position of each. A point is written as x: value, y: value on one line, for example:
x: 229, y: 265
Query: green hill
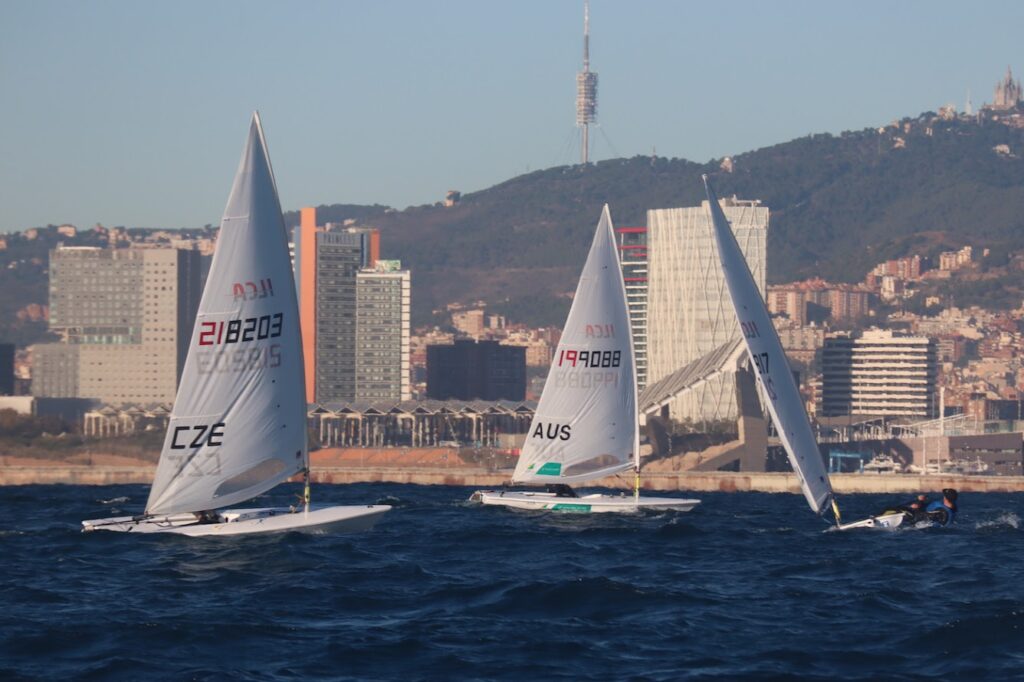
x: 840, y: 204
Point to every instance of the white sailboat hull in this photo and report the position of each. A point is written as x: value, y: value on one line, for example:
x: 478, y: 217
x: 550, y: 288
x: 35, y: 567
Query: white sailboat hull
x: 322, y: 520
x: 587, y: 504
x: 884, y: 522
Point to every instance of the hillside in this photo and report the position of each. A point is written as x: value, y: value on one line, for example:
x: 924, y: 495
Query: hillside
x: 839, y: 205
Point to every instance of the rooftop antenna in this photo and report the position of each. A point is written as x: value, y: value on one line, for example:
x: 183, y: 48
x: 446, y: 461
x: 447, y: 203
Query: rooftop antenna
x: 586, y: 90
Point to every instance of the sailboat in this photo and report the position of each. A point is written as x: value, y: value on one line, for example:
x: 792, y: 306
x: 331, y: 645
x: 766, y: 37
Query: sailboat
x: 238, y: 427
x: 585, y: 427
x: 775, y: 376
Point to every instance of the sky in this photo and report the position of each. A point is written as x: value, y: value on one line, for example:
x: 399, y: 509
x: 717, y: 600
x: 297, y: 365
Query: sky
x: 134, y: 113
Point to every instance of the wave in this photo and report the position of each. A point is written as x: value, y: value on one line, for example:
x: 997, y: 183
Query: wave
x: 1004, y: 520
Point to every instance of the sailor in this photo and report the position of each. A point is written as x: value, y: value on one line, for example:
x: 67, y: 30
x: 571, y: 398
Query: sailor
x: 207, y: 517
x: 942, y: 512
x: 915, y: 509
x: 561, y: 490
x: 939, y: 512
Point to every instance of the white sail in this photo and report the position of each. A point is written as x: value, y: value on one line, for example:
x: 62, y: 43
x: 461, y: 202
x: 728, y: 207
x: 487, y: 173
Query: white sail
x: 585, y: 426
x: 772, y: 368
x: 239, y: 422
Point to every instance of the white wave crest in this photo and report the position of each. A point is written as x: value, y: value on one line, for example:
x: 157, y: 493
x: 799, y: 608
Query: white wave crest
x: 1006, y: 519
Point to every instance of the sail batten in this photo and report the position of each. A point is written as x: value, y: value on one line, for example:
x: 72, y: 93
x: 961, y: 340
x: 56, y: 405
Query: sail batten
x: 238, y: 427
x: 768, y: 360
x: 585, y: 426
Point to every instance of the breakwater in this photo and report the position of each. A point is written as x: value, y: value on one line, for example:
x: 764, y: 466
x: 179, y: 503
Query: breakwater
x: 479, y: 477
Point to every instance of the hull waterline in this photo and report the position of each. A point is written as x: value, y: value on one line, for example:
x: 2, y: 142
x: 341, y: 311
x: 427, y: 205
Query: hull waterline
x: 586, y: 504
x: 322, y: 520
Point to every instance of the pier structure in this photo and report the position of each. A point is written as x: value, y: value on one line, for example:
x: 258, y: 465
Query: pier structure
x: 426, y: 423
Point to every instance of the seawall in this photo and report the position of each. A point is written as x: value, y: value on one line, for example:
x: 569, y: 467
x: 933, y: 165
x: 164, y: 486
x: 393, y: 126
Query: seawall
x: 477, y: 477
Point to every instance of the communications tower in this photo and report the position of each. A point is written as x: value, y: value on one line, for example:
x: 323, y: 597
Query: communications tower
x: 586, y: 90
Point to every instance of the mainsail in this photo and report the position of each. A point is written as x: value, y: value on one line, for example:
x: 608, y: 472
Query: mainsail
x: 773, y: 372
x: 585, y: 426
x: 238, y: 427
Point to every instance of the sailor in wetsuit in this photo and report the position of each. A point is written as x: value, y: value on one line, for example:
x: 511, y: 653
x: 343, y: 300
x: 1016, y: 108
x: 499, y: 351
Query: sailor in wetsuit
x: 561, y: 490
x: 942, y: 512
x: 939, y: 512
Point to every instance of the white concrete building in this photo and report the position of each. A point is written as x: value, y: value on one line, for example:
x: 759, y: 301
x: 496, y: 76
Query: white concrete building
x: 879, y: 374
x: 689, y: 313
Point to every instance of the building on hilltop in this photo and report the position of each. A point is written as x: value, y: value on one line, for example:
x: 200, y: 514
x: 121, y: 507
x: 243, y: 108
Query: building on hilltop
x: 125, y: 319
x: 470, y: 322
x: 954, y: 260
x: 801, y: 302
x: 689, y: 312
x: 1008, y: 93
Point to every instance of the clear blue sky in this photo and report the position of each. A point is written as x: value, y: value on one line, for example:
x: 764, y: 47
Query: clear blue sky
x: 134, y: 113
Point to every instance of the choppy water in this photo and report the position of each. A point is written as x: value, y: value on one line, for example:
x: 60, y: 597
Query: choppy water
x: 745, y: 586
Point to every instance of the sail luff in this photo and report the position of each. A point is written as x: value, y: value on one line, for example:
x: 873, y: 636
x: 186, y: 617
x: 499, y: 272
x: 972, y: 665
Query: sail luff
x: 238, y: 426
x: 768, y: 358
x: 585, y: 424
x: 292, y: 289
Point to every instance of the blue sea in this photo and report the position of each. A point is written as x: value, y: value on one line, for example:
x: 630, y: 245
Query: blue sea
x: 747, y: 586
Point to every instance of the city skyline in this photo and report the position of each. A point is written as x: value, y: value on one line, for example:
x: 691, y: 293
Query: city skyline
x: 127, y: 114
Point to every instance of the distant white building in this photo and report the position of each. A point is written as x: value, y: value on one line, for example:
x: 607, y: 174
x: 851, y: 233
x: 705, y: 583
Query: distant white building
x: 689, y: 313
x: 879, y: 374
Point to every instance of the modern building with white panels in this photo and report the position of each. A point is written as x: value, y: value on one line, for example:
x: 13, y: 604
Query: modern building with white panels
x: 879, y: 374
x: 689, y: 313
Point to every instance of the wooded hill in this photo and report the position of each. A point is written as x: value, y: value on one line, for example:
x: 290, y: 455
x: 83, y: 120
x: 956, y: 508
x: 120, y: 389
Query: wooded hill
x: 840, y: 204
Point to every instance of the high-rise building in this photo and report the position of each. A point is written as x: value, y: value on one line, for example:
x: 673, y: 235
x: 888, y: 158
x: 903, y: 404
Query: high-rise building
x: 125, y: 318
x: 354, y: 312
x: 6, y: 369
x: 476, y: 370
x: 632, y: 242
x: 689, y: 312
x: 879, y: 374
x: 383, y: 314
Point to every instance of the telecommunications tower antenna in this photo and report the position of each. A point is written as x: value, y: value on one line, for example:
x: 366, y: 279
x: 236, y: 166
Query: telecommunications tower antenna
x: 586, y: 90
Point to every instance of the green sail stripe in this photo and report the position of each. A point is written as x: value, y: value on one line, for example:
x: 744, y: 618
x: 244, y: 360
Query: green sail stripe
x: 550, y: 469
